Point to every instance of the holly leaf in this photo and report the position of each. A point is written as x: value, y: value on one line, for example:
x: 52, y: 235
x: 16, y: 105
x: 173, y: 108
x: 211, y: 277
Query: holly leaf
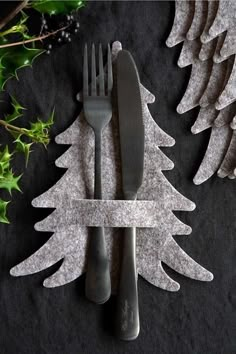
x: 14, y: 58
x: 5, y: 158
x: 23, y: 18
x: 3, y: 210
x: 24, y: 148
x: 20, y: 28
x: 56, y: 7
x: 17, y: 111
x: 9, y: 182
x: 39, y: 131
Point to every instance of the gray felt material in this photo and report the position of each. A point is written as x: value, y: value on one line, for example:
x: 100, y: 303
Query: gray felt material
x: 198, y: 81
x: 229, y: 45
x: 229, y: 93
x: 225, y: 115
x: 113, y: 213
x: 216, y: 150
x: 184, y: 11
x: 209, y: 116
x: 233, y: 122
x: 199, y: 20
x: 205, y: 119
x: 218, y: 58
x: 212, y: 83
x: 229, y: 163
x: 215, y: 84
x: 211, y: 14
x: 157, y: 199
x: 207, y: 50
x: 225, y: 18
x: 230, y: 64
x: 232, y: 176
x: 189, y: 53
x: 194, y: 49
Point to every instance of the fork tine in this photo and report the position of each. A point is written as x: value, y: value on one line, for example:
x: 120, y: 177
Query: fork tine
x: 85, y: 72
x: 101, y: 73
x: 109, y: 71
x: 93, y: 73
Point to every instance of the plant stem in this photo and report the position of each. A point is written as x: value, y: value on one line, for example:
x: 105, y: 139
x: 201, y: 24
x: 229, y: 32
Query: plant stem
x: 23, y: 131
x: 12, y: 127
x: 9, y: 17
x: 40, y: 38
x: 13, y: 29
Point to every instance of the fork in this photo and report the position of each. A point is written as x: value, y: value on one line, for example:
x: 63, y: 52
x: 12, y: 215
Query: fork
x: 98, y: 112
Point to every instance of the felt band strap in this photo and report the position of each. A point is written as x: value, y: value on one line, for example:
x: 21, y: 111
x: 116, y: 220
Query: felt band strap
x: 106, y: 213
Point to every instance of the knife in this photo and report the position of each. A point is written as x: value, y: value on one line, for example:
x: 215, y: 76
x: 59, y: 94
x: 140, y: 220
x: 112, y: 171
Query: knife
x: 131, y: 131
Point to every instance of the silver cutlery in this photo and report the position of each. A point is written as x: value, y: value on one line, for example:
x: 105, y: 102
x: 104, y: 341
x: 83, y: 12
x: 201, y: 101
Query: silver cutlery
x: 97, y: 103
x: 131, y: 130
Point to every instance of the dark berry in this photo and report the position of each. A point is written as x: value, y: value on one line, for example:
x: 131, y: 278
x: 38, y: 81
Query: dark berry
x: 69, y: 39
x: 63, y: 33
x: 67, y: 35
x: 48, y: 52
x: 45, y: 27
x: 49, y: 46
x: 77, y: 25
x: 68, y: 17
x: 59, y: 40
x: 72, y: 17
x: 76, y: 30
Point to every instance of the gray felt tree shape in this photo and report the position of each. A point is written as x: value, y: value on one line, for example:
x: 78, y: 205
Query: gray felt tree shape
x: 152, y: 213
x: 207, y: 30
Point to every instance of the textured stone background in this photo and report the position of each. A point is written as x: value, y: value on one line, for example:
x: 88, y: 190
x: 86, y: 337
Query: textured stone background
x: 200, y: 318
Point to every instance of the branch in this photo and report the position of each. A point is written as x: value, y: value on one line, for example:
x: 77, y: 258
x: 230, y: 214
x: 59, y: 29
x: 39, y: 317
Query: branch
x: 40, y: 38
x: 11, y: 127
x: 12, y: 14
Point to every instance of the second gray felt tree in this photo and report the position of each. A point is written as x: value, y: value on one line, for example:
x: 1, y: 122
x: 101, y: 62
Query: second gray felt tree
x: 207, y: 30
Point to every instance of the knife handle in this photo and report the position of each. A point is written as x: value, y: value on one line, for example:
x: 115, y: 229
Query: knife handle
x: 98, y: 283
x: 127, y: 317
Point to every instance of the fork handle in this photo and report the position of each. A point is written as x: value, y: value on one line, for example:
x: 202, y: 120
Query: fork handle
x: 98, y: 165
x: 98, y: 284
x: 127, y: 316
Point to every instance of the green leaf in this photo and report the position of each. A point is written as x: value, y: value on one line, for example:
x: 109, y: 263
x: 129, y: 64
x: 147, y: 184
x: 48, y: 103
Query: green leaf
x: 5, y: 157
x: 15, y: 58
x: 3, y: 210
x: 10, y: 182
x: 20, y: 27
x: 23, y: 18
x: 24, y: 148
x: 56, y: 7
x: 39, y: 131
x: 17, y: 111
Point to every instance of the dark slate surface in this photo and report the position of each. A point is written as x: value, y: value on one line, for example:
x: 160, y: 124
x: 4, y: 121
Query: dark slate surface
x: 200, y: 318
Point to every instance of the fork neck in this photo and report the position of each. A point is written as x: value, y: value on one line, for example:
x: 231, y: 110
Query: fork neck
x: 98, y: 172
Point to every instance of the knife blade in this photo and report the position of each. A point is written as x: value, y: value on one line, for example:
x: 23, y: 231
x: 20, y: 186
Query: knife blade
x: 131, y: 130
